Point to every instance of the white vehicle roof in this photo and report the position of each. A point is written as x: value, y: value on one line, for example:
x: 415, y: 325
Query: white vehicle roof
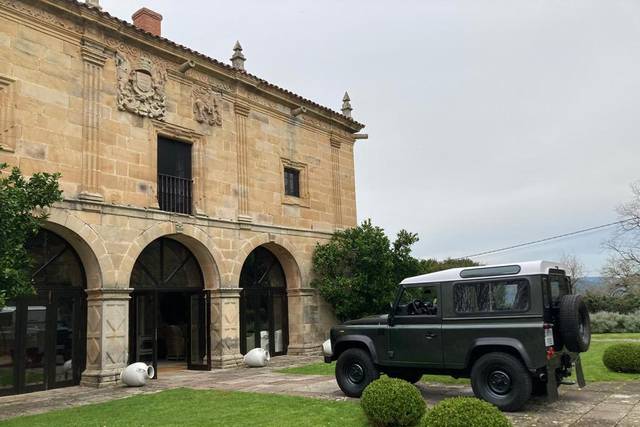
x: 453, y: 274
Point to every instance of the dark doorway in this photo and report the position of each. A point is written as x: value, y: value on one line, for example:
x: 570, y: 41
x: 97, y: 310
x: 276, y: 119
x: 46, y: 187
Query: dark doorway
x: 43, y: 337
x: 169, y: 311
x: 263, y: 303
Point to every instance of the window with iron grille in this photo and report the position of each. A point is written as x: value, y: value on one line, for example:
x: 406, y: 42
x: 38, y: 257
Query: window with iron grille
x: 174, y: 176
x: 292, y: 182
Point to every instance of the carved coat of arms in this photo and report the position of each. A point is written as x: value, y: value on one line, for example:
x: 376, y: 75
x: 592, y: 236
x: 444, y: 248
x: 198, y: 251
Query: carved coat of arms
x: 205, y: 107
x: 141, y: 89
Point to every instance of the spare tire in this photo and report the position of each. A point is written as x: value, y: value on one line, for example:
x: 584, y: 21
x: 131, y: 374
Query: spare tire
x: 575, y: 324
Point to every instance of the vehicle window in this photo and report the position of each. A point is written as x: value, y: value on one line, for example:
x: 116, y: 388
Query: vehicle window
x: 559, y: 287
x: 418, y: 300
x: 487, y: 297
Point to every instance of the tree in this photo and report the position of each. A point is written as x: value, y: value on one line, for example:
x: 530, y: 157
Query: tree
x: 23, y: 203
x: 359, y: 269
x: 624, y: 266
x: 432, y: 265
x: 575, y: 269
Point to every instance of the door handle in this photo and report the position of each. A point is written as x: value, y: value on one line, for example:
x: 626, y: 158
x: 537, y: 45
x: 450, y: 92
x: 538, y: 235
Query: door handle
x: 430, y: 336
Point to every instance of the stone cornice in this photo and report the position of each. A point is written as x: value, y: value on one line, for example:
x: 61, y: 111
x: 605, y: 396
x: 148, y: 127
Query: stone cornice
x: 116, y: 29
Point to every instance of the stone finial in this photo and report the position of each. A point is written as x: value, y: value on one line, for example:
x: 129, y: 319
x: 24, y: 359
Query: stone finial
x: 237, y: 60
x: 346, y: 105
x: 94, y: 3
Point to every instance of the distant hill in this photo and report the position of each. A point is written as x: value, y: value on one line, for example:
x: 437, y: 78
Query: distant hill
x: 591, y: 283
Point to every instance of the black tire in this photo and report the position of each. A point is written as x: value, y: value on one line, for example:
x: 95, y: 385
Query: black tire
x: 574, y: 323
x: 502, y: 380
x: 410, y: 376
x: 355, y: 371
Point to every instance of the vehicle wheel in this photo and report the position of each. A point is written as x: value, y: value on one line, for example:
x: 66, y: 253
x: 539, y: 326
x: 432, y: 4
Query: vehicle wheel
x: 408, y: 375
x: 355, y: 371
x: 575, y: 324
x: 501, y: 380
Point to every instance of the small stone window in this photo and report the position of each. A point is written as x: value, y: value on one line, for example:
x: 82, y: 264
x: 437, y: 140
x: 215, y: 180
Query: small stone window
x: 295, y: 183
x: 291, y: 182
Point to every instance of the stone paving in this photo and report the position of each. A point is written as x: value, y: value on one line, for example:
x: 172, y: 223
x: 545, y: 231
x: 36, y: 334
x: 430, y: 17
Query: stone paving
x: 599, y: 404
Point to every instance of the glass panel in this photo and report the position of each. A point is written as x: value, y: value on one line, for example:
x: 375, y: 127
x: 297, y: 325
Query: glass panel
x: 64, y: 339
x: 7, y: 346
x: 34, y: 354
x: 54, y: 261
x: 144, y: 328
x: 491, y: 296
x: 278, y: 323
x: 422, y: 300
x: 198, y: 330
x: 263, y: 316
x: 252, y: 328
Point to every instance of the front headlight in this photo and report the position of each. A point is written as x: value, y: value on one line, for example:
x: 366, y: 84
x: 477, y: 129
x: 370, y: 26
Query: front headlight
x: 326, y: 348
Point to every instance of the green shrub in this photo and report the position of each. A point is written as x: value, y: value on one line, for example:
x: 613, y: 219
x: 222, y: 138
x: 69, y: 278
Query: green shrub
x: 465, y: 412
x: 624, y: 357
x: 605, y: 322
x: 392, y: 402
x: 616, y: 304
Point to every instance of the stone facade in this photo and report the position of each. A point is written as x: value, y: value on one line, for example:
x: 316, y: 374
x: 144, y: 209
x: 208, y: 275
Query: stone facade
x: 87, y: 95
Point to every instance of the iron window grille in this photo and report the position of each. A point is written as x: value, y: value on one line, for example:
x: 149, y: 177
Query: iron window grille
x: 175, y: 186
x: 291, y: 182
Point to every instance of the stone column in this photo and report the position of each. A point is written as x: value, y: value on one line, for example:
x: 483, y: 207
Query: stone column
x: 335, y: 183
x: 242, y: 112
x: 94, y: 57
x: 303, y: 318
x: 107, y: 336
x: 225, y: 328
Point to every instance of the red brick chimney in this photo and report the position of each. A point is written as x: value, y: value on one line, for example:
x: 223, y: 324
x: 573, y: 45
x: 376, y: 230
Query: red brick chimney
x: 148, y: 20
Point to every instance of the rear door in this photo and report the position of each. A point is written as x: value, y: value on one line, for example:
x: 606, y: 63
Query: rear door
x: 415, y: 335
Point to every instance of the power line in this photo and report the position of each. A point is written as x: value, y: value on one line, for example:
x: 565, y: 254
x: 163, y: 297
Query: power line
x: 546, y: 239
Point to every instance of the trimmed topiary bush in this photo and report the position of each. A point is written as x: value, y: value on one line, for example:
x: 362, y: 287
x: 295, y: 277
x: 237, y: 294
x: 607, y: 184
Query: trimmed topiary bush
x: 604, y: 322
x: 623, y: 357
x: 465, y: 412
x: 392, y: 402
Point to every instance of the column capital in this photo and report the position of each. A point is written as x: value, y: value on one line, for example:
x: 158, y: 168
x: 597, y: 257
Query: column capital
x: 102, y: 294
x: 226, y: 293
x: 301, y: 292
x: 93, y: 52
x: 241, y: 109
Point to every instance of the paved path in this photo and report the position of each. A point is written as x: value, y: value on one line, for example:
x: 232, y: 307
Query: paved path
x: 599, y: 404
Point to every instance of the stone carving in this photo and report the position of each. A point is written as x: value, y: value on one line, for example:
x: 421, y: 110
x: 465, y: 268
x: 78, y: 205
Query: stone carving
x: 41, y: 15
x: 205, y: 107
x: 141, y: 89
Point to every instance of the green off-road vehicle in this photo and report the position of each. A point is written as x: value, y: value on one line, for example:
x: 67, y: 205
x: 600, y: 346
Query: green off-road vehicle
x: 515, y: 330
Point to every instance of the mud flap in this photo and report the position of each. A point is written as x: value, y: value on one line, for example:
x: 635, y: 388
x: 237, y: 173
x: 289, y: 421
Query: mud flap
x: 552, y: 387
x: 552, y: 381
x: 579, y: 373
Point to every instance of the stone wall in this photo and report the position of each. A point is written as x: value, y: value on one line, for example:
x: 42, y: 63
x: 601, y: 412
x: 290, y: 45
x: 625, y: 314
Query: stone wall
x: 87, y: 96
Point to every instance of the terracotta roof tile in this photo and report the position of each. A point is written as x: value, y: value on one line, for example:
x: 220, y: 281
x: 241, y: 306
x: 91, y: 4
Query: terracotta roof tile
x: 217, y: 62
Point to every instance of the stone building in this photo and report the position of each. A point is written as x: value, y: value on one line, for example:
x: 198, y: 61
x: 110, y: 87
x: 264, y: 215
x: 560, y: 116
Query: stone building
x: 194, y: 196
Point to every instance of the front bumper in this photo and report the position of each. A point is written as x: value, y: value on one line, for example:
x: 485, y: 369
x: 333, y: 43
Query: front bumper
x: 327, y: 351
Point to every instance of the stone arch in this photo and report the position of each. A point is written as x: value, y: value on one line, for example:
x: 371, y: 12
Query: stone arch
x: 195, y: 239
x: 88, y: 245
x: 281, y: 248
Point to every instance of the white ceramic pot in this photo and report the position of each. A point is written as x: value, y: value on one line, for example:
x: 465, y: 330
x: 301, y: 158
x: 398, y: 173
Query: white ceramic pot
x: 326, y: 348
x: 67, y: 367
x: 137, y: 374
x: 257, y: 358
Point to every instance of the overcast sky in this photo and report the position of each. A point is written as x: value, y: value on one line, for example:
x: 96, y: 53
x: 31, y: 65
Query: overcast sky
x: 490, y: 122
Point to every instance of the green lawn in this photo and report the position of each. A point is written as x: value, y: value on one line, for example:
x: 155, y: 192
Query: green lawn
x: 594, y: 370
x: 203, y: 408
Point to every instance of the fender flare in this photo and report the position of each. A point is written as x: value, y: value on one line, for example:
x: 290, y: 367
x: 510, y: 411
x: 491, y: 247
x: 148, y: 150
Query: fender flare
x: 362, y: 339
x: 500, y: 342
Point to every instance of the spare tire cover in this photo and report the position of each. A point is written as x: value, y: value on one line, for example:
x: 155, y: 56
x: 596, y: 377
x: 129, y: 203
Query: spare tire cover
x: 574, y: 323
